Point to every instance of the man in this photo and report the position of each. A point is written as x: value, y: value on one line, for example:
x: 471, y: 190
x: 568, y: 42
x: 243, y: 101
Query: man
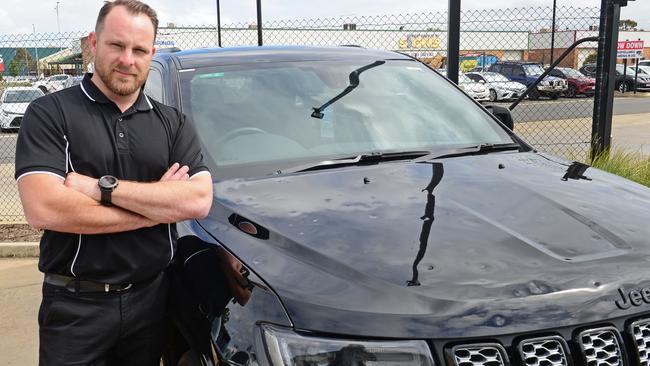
x: 105, y: 171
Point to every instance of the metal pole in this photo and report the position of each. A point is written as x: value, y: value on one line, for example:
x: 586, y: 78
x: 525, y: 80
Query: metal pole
x: 259, y: 23
x: 610, y: 14
x: 553, y: 33
x: 58, y: 25
x: 636, y: 71
x: 218, y: 24
x: 453, y: 40
x: 38, y: 71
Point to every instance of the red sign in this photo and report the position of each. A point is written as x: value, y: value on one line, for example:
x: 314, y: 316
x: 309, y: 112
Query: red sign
x: 2, y: 65
x: 629, y: 49
x: 630, y: 45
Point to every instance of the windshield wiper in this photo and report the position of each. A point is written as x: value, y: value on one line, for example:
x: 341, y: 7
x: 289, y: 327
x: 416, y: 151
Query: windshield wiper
x: 354, y: 82
x: 357, y: 160
x: 480, y: 149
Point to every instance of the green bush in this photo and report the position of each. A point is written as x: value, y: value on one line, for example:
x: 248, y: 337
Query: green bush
x: 631, y: 165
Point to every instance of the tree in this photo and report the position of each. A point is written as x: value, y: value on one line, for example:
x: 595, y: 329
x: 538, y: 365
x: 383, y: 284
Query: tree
x: 591, y: 59
x: 627, y: 24
x: 26, y: 62
x: 14, y: 67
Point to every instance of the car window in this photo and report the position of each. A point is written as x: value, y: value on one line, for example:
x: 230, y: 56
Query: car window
x: 153, y: 87
x: 59, y: 78
x: 261, y: 114
x: 21, y: 96
x: 556, y: 72
x: 533, y: 69
x: 518, y: 71
x: 474, y: 77
x: 506, y: 70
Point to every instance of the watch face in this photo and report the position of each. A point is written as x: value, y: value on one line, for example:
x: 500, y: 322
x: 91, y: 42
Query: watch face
x: 108, y: 181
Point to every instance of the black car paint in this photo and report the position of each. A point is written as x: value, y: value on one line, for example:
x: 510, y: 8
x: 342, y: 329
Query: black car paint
x: 346, y: 254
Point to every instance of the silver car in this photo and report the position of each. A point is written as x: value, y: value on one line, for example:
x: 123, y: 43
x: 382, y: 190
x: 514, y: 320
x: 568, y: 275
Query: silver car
x: 476, y: 90
x: 501, y: 88
x: 13, y: 103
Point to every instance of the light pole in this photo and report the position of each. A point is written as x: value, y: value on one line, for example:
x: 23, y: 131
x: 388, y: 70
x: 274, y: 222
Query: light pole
x: 218, y: 24
x: 38, y: 71
x: 259, y: 22
x: 58, y: 25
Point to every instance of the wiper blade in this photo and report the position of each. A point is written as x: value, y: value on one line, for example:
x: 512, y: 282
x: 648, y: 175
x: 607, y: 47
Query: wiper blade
x: 357, y: 160
x: 480, y: 149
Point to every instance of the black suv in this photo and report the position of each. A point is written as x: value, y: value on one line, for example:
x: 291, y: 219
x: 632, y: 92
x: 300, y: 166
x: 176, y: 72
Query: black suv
x: 526, y: 73
x: 368, y: 212
x: 624, y: 78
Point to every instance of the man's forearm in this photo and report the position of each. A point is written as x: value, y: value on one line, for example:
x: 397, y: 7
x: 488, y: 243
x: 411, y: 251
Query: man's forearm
x: 169, y: 201
x: 66, y: 210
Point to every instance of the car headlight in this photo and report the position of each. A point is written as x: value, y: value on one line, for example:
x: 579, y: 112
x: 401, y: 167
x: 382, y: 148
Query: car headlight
x: 285, y: 347
x: 544, y: 83
x: 3, y: 113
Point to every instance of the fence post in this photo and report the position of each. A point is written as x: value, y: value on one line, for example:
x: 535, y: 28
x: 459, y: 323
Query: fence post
x: 453, y: 40
x: 610, y: 14
x: 259, y: 22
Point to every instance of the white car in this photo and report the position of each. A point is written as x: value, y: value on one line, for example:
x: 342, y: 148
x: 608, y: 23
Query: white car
x: 52, y: 83
x: 13, y: 103
x: 475, y: 90
x: 500, y: 87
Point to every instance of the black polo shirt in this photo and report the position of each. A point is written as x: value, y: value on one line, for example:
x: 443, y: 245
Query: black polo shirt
x: 80, y: 130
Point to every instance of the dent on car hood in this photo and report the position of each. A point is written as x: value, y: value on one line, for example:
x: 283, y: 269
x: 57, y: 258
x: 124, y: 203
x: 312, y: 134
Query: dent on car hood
x: 465, y: 246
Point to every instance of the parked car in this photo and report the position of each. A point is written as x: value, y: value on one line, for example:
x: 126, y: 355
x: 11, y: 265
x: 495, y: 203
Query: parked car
x: 382, y: 217
x: 526, y: 73
x: 644, y: 63
x: 75, y: 80
x: 578, y: 82
x: 52, y: 83
x: 474, y: 89
x: 500, y: 87
x: 624, y: 78
x: 13, y: 103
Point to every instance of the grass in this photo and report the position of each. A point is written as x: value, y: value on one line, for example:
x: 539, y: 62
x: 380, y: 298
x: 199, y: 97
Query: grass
x: 631, y: 165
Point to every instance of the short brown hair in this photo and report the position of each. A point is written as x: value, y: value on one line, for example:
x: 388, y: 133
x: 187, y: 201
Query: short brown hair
x: 134, y: 7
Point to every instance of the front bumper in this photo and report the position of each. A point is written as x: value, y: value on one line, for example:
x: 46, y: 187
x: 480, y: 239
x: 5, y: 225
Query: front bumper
x: 11, y: 121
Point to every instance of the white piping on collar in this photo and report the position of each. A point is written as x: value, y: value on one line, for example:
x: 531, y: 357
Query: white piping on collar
x: 147, y: 99
x: 85, y: 92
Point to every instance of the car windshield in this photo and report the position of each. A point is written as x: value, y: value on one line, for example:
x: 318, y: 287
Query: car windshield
x: 572, y: 73
x: 620, y: 68
x: 463, y: 79
x: 260, y: 114
x: 533, y: 69
x: 21, y: 96
x: 494, y: 77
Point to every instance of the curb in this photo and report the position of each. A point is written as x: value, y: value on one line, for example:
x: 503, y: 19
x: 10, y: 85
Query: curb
x: 19, y: 250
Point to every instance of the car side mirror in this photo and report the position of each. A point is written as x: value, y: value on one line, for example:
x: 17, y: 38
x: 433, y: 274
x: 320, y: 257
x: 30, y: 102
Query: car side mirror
x: 503, y: 114
x: 482, y: 81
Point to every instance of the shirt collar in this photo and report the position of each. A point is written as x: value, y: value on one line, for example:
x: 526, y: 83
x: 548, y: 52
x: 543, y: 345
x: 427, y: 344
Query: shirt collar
x: 94, y: 94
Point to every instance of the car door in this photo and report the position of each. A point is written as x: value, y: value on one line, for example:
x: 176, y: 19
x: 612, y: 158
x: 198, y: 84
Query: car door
x: 518, y: 74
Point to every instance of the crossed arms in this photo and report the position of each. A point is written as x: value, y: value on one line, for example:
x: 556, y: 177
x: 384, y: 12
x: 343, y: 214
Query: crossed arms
x: 72, y: 205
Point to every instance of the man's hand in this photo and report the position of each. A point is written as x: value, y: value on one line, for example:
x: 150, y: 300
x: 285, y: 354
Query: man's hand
x: 83, y: 184
x: 176, y: 172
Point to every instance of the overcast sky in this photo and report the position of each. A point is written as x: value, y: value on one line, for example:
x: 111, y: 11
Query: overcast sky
x: 17, y: 16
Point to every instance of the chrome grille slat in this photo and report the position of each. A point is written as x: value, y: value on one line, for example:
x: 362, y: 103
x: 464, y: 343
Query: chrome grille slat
x: 601, y: 347
x: 546, y: 351
x: 640, y: 330
x: 479, y: 355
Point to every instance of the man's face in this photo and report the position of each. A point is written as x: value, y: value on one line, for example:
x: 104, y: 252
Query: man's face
x: 123, y: 49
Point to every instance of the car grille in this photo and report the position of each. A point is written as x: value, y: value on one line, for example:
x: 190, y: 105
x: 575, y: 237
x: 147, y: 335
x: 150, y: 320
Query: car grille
x: 618, y: 345
x: 601, y: 347
x: 479, y: 355
x: 641, y: 332
x: 548, y: 351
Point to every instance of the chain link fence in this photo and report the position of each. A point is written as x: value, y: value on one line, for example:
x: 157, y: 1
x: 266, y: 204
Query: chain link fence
x: 501, y: 52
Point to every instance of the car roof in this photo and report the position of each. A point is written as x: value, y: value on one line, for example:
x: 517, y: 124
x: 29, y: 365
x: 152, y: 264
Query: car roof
x: 239, y: 55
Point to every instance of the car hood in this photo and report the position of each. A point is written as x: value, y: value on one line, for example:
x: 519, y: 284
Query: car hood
x: 14, y: 108
x: 464, y: 246
x: 508, y: 85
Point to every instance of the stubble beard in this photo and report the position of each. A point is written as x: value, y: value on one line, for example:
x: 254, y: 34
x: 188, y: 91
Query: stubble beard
x: 117, y: 87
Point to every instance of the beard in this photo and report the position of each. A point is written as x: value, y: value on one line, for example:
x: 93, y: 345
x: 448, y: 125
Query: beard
x: 122, y: 87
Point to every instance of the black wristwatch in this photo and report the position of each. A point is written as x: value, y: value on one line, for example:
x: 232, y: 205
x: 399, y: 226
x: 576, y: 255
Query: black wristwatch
x: 107, y: 185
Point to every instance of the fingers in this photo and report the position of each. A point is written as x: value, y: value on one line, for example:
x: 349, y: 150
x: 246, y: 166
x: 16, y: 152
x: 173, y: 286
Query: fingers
x: 176, y: 172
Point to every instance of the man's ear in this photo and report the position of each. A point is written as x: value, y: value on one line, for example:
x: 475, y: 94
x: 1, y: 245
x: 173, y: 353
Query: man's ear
x: 153, y: 51
x: 92, y: 41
